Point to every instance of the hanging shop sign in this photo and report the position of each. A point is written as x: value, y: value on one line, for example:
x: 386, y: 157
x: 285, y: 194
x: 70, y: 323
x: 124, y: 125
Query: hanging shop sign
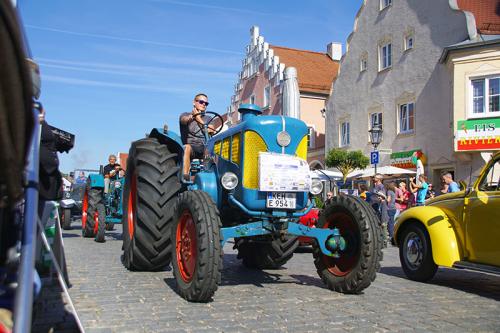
x: 407, y: 159
x: 478, y: 134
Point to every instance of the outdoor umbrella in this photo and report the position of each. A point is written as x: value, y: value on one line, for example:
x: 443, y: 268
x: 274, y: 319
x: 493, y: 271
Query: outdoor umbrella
x: 385, y: 170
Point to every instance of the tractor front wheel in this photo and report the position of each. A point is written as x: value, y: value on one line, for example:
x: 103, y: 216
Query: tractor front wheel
x: 197, y: 254
x: 358, y: 263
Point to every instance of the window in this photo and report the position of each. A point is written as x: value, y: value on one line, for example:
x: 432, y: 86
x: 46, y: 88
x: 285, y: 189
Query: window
x: 491, y: 181
x: 385, y: 3
x: 407, y: 118
x: 408, y: 42
x: 267, y: 96
x: 252, y: 99
x: 485, y: 97
x: 311, y: 135
x: 385, y: 56
x: 345, y: 139
x: 363, y: 64
x: 376, y: 118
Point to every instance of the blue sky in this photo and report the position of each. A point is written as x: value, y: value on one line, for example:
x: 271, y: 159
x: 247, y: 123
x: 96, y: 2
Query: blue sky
x: 114, y: 69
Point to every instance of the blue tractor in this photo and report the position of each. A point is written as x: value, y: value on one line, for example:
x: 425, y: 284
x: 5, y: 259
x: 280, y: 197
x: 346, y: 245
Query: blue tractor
x: 253, y: 186
x: 100, y: 210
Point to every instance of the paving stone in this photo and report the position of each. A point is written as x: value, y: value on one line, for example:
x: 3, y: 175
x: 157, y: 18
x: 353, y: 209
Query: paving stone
x: 109, y: 298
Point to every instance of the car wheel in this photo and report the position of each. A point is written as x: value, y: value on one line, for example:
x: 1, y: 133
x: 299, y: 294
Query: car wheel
x: 415, y: 253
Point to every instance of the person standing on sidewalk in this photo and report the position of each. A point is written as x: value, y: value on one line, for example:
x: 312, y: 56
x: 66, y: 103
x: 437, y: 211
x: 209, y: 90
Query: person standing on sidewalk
x: 391, y: 207
x: 419, y: 189
x: 452, y: 186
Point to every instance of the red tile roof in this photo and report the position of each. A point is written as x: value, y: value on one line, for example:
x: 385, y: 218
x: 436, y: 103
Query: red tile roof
x: 486, y: 13
x: 315, y: 70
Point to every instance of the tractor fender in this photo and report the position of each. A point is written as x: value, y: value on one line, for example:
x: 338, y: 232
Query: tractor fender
x: 171, y: 139
x: 67, y: 203
x: 445, y: 248
x: 96, y: 180
x: 207, y: 182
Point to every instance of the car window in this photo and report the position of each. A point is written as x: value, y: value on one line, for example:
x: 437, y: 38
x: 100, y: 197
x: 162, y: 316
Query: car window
x: 491, y: 181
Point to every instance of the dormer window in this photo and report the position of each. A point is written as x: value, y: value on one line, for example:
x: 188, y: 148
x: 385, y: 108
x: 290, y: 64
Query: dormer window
x: 384, y: 4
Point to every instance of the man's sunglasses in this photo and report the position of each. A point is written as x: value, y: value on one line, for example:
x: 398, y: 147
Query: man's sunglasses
x: 202, y: 102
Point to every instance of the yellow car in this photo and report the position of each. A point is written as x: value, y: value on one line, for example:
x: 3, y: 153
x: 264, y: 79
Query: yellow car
x: 460, y: 229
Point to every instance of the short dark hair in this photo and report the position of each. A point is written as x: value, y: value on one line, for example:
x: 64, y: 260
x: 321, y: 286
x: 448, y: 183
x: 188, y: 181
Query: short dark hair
x: 200, y: 94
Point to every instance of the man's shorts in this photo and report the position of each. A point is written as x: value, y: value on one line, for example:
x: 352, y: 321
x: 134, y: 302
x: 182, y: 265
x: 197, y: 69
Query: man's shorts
x: 197, y: 151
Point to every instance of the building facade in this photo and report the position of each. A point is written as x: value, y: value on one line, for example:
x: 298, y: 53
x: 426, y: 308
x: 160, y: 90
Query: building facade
x: 261, y: 82
x: 394, y: 73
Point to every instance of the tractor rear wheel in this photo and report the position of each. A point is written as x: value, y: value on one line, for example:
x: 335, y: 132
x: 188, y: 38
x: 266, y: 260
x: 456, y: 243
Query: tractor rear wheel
x: 197, y: 254
x: 100, y: 220
x: 266, y: 253
x: 358, y: 264
x: 66, y: 218
x: 149, y: 196
x: 92, y: 208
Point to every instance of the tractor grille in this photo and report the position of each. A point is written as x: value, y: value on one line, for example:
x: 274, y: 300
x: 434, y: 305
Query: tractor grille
x: 235, y: 148
x: 253, y: 145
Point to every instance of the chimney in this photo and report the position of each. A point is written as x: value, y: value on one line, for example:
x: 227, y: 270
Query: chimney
x: 334, y: 51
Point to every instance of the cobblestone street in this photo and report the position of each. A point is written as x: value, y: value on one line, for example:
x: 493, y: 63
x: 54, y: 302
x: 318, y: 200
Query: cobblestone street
x: 108, y: 298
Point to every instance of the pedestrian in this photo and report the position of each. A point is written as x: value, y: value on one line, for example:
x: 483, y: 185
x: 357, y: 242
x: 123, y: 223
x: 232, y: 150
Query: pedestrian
x: 402, y: 198
x: 419, y: 189
x: 329, y: 197
x: 363, y: 192
x: 81, y: 178
x: 391, y: 207
x: 378, y: 201
x: 430, y: 193
x: 452, y: 186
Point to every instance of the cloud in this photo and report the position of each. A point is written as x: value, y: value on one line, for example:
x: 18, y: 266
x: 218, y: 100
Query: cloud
x: 94, y: 83
x: 142, y: 41
x: 128, y: 70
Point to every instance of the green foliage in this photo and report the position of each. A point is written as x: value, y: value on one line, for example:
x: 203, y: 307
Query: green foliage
x: 346, y: 161
x: 319, y: 203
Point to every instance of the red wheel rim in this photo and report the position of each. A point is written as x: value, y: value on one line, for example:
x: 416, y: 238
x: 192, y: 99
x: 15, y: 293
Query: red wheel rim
x: 96, y: 222
x: 350, y: 257
x: 131, y: 205
x: 185, y: 246
x: 85, y: 206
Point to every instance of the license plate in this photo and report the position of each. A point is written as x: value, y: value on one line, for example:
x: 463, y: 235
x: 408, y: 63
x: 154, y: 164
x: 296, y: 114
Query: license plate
x: 281, y: 200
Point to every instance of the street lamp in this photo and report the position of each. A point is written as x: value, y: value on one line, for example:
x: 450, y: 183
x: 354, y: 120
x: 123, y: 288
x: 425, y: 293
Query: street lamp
x: 375, y: 138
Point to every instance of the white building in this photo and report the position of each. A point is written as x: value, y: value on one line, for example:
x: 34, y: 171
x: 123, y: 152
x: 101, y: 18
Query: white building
x: 396, y: 72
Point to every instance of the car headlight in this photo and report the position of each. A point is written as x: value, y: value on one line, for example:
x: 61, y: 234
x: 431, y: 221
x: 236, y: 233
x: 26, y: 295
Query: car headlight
x: 229, y: 181
x: 316, y: 186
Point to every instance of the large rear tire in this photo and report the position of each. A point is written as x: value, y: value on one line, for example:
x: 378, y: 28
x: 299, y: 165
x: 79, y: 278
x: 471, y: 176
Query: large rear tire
x: 266, y: 253
x: 358, y: 264
x: 197, y: 254
x: 66, y: 218
x: 92, y: 211
x: 150, y: 194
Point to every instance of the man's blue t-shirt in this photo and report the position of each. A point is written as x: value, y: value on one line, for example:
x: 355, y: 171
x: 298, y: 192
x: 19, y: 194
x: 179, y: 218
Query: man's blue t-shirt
x: 453, y: 187
x: 422, y: 192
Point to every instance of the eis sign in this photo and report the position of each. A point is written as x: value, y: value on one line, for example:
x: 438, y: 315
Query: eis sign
x: 478, y: 134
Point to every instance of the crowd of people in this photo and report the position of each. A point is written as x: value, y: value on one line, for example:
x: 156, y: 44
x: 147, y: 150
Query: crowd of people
x: 391, y: 199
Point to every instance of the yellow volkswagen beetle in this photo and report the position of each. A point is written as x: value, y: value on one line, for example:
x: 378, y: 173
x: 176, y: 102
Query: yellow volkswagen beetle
x: 460, y: 229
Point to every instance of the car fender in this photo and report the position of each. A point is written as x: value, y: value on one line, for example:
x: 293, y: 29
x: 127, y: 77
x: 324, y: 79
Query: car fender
x: 445, y: 248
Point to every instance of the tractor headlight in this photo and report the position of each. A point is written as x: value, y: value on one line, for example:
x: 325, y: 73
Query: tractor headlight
x: 316, y: 186
x: 229, y: 181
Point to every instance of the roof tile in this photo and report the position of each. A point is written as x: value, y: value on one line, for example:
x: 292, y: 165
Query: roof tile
x: 315, y: 70
x: 486, y: 13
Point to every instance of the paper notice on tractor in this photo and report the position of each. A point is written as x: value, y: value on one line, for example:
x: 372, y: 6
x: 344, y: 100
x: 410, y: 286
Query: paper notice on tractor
x: 283, y: 173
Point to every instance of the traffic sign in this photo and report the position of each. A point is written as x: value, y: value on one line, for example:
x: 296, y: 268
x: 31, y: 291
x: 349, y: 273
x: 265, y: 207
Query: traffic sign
x: 374, y: 157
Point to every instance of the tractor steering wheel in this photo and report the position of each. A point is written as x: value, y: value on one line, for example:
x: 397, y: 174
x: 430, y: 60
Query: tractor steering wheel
x: 209, y: 118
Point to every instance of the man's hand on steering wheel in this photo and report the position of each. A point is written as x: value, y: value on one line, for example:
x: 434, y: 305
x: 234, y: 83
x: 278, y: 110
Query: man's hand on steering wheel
x: 210, y: 127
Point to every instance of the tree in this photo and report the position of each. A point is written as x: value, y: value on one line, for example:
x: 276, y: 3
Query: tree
x: 346, y: 161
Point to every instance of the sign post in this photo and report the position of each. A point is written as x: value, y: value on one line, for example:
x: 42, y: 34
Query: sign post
x: 374, y: 158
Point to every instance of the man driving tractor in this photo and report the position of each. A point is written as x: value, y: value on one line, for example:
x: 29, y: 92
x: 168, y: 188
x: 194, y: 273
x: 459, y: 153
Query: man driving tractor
x: 190, y: 124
